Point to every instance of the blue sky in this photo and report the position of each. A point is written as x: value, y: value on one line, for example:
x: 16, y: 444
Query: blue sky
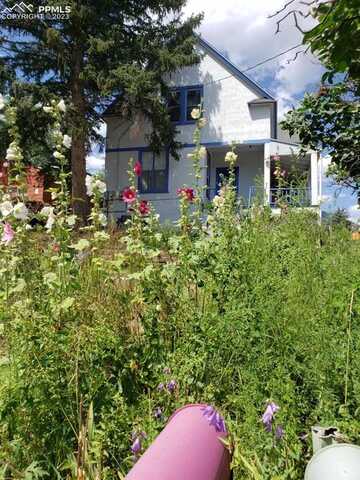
x: 242, y: 30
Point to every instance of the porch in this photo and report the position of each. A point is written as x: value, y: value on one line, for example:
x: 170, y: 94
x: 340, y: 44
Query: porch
x: 266, y: 173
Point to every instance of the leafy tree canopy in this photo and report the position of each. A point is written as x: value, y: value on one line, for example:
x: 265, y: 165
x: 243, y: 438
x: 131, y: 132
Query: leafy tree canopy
x: 330, y: 119
x: 102, y: 49
x: 336, y: 38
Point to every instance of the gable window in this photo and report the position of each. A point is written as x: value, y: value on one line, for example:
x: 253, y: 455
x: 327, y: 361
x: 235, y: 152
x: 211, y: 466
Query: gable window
x: 155, y: 172
x: 193, y: 100
x: 182, y: 101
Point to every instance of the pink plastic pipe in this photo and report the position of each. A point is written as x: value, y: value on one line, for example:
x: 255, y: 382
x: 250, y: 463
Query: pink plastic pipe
x: 187, y: 449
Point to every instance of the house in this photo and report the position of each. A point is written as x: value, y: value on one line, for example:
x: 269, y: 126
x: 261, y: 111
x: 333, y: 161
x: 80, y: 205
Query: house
x: 238, y: 111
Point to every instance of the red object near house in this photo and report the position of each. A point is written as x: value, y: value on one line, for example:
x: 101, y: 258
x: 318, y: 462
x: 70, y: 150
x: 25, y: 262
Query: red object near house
x: 35, y: 180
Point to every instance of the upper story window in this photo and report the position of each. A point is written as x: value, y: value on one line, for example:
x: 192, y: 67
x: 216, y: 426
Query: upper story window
x: 155, y: 172
x: 181, y: 102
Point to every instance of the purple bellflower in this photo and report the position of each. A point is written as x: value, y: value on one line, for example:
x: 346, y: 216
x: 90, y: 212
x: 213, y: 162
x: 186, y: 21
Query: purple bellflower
x: 268, y: 415
x: 214, y: 418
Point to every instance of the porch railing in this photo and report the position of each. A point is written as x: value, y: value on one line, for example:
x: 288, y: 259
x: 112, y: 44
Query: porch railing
x: 294, y: 196
x: 297, y: 197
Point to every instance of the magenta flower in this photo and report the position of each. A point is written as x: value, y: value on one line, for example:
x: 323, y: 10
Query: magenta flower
x: 268, y: 415
x: 129, y: 195
x: 138, y: 168
x: 8, y: 234
x: 171, y: 386
x: 214, y: 418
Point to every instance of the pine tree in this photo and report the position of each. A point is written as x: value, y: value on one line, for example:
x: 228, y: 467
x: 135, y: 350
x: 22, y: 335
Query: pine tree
x: 105, y: 48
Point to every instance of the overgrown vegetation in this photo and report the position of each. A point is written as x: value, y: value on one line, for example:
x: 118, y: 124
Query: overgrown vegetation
x: 104, y: 336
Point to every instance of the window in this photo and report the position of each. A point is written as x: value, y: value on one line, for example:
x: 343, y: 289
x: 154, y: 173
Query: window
x: 154, y: 177
x: 174, y: 106
x: 181, y: 103
x: 193, y: 100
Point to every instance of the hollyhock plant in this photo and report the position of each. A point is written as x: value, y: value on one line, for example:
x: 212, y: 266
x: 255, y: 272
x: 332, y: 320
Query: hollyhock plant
x: 144, y: 208
x: 214, y: 418
x: 129, y: 195
x: 187, y: 193
x: 138, y: 168
x: 269, y: 414
x: 8, y: 234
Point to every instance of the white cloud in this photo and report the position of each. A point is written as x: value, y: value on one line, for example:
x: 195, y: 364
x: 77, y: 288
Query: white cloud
x: 242, y: 30
x: 354, y: 213
x: 95, y: 162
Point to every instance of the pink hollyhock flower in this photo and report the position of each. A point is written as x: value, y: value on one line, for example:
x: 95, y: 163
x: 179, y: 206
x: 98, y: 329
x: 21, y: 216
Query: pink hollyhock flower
x: 187, y: 193
x: 144, y: 208
x: 138, y: 168
x: 8, y: 234
x: 129, y: 195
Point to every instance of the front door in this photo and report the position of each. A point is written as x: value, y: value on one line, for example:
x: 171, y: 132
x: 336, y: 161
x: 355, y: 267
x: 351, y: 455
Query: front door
x: 222, y: 173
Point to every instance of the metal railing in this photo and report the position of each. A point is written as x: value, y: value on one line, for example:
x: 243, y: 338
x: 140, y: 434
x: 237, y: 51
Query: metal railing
x: 293, y: 196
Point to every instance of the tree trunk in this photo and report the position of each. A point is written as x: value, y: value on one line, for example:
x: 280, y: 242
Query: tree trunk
x: 80, y: 200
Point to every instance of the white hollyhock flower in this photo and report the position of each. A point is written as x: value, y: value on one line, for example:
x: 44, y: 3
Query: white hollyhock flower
x: 202, y: 152
x: 58, y: 155
x: 89, y: 185
x: 47, y: 211
x: 61, y: 106
x: 102, y: 219
x: 71, y: 220
x: 231, y: 157
x: 6, y: 208
x: 20, y: 211
x: 50, y: 222
x: 13, y: 152
x: 67, y: 141
x: 100, y: 186
x: 47, y: 109
x: 218, y: 201
x: 195, y: 113
x: 2, y: 102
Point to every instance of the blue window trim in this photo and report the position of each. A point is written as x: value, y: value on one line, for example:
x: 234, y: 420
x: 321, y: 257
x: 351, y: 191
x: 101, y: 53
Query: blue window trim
x: 140, y: 158
x: 183, y: 102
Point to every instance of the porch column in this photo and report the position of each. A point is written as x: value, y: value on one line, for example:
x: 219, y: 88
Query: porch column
x: 314, y: 160
x: 267, y: 176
